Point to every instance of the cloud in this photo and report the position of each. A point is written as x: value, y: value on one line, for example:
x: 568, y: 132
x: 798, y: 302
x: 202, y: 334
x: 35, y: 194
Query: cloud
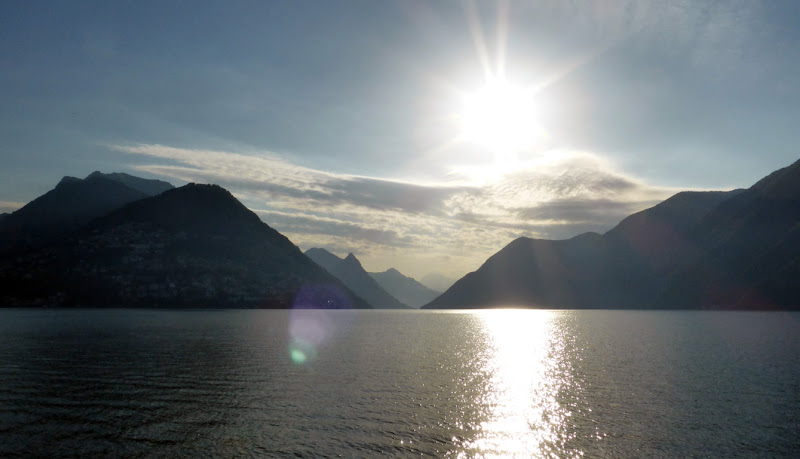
x: 603, y: 212
x: 460, y: 224
x: 386, y: 194
x: 298, y: 223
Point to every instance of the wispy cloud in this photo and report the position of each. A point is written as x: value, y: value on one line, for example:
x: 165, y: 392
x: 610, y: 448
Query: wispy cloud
x: 419, y: 227
x: 309, y: 224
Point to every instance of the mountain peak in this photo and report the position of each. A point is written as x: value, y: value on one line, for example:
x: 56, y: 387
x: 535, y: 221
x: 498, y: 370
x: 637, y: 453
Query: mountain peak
x: 323, y: 258
x: 149, y: 187
x: 695, y: 250
x: 351, y: 259
x: 73, y: 203
x: 318, y: 250
x: 353, y: 275
x: 65, y: 180
x: 404, y: 288
x: 196, y: 245
x: 209, y: 207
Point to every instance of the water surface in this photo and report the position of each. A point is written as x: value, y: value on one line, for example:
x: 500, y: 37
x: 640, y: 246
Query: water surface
x: 368, y: 383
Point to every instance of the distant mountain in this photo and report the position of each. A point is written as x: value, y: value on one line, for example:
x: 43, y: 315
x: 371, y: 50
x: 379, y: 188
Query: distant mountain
x: 404, y: 288
x: 353, y: 275
x: 437, y: 282
x: 194, y: 246
x: 70, y: 205
x: 149, y: 187
x: 737, y: 249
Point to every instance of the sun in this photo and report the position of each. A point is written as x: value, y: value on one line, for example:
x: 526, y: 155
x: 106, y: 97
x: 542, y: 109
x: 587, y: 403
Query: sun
x: 500, y: 116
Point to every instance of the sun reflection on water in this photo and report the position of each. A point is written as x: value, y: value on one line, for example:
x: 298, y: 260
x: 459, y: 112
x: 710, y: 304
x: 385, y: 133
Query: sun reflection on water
x: 527, y: 366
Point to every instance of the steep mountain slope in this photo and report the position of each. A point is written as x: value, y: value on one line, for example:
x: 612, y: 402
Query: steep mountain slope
x: 695, y: 250
x: 353, y: 275
x: 750, y: 250
x: 194, y: 246
x: 580, y: 272
x: 404, y: 288
x: 70, y: 205
x: 660, y: 236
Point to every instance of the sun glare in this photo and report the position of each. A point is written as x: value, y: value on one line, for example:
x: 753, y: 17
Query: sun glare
x: 527, y: 419
x: 500, y: 117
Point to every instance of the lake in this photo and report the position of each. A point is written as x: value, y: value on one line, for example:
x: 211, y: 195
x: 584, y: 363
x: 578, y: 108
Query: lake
x: 399, y: 383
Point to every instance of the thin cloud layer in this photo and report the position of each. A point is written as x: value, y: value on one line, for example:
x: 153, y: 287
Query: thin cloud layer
x: 416, y: 227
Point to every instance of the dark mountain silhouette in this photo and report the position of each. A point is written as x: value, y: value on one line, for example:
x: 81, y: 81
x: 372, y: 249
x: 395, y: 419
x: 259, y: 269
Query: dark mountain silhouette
x: 542, y: 273
x: 437, y: 282
x: 405, y: 289
x: 71, y: 205
x: 659, y: 236
x: 751, y: 250
x: 194, y: 246
x: 353, y: 275
x: 736, y: 249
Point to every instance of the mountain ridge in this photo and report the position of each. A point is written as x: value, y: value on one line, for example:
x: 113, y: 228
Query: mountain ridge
x: 735, y: 249
x: 406, y: 289
x: 193, y: 246
x: 695, y: 250
x: 150, y: 187
x: 350, y: 271
x: 71, y: 204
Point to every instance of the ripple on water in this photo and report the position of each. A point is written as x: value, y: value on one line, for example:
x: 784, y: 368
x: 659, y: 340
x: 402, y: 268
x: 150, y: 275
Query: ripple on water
x: 452, y: 384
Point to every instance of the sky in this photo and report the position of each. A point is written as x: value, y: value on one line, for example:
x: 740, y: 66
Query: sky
x: 342, y: 124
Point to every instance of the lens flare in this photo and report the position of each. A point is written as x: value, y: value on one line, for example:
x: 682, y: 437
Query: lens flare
x: 310, y: 330
x: 297, y: 355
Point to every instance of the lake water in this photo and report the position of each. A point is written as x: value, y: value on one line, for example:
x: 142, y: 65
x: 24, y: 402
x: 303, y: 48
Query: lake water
x: 518, y: 383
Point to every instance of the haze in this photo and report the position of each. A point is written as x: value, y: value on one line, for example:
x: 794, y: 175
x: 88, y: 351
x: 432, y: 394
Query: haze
x: 343, y: 124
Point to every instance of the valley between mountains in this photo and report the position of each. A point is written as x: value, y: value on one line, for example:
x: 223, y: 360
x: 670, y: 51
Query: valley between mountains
x: 115, y: 240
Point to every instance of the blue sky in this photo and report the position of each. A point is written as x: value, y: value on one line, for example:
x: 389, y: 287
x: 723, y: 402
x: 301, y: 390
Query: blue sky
x: 335, y: 120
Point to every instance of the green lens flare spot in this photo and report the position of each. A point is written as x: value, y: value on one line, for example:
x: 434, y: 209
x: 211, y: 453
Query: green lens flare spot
x: 298, y: 356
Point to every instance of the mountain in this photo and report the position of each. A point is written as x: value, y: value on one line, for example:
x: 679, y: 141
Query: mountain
x: 194, y: 246
x: 353, y: 275
x: 621, y: 268
x: 149, y: 187
x: 737, y: 249
x: 542, y: 273
x: 437, y: 282
x: 70, y: 205
x: 404, y: 288
x: 660, y: 236
x: 751, y: 250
